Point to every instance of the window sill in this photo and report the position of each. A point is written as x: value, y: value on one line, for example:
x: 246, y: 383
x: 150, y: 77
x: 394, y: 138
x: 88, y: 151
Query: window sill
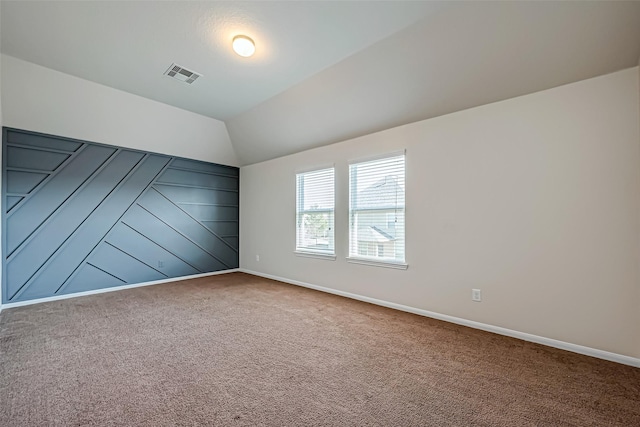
x: 376, y: 263
x: 317, y: 255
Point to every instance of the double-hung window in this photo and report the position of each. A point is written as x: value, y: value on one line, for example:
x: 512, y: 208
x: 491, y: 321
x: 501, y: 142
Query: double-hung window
x: 315, y: 212
x: 376, y: 211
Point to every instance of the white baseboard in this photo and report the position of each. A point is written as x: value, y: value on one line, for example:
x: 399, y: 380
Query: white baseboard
x: 113, y: 289
x: 575, y: 348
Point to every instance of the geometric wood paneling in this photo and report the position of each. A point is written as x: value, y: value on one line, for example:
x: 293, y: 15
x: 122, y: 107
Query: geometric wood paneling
x: 79, y: 216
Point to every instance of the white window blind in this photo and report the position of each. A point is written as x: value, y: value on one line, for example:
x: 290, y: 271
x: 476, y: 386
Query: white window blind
x: 315, y: 212
x: 376, y: 210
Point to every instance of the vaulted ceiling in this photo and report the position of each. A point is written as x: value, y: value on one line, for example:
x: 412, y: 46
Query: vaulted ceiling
x: 325, y: 71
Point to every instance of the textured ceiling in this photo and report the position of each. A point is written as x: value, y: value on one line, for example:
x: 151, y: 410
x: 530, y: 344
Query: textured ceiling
x: 466, y: 55
x: 129, y: 44
x: 325, y: 71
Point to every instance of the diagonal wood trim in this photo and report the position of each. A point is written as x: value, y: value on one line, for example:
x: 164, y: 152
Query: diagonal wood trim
x: 61, y: 243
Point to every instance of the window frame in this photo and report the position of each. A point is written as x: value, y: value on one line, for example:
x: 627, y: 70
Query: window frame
x: 302, y: 251
x: 354, y: 257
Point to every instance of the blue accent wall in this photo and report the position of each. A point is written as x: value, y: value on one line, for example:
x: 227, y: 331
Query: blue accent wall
x: 80, y: 216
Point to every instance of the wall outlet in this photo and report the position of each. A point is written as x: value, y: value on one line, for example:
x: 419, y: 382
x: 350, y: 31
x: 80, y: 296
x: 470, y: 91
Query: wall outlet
x: 258, y: 258
x: 476, y: 295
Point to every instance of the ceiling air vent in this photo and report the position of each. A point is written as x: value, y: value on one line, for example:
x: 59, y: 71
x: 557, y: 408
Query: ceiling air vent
x: 180, y: 73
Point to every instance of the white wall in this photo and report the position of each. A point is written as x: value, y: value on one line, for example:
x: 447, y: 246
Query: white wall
x: 43, y: 100
x: 534, y: 200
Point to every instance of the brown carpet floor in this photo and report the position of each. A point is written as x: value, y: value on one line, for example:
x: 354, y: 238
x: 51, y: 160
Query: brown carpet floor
x: 238, y: 350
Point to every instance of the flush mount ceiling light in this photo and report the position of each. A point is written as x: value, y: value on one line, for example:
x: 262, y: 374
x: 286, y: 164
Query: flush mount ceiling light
x: 244, y: 46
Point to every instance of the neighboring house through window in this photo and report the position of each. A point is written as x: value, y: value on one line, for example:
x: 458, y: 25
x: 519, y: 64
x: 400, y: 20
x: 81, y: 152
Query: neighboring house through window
x: 315, y: 212
x: 376, y: 210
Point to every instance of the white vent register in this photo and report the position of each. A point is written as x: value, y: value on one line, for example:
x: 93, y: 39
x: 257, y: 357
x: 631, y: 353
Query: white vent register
x: 178, y: 72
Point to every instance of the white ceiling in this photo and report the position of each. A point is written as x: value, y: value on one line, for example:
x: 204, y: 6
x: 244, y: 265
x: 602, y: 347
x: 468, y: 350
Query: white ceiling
x: 325, y: 71
x: 128, y: 45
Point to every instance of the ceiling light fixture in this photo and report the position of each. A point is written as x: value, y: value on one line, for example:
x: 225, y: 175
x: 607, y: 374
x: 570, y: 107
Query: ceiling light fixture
x: 244, y: 46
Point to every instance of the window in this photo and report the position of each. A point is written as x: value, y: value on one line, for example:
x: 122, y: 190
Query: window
x: 315, y: 212
x: 376, y: 212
